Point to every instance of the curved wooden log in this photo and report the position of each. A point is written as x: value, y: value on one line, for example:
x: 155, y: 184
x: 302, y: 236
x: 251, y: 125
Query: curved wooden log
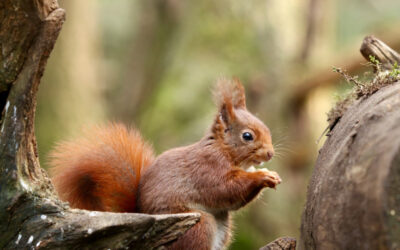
x: 30, y: 213
x: 353, y: 199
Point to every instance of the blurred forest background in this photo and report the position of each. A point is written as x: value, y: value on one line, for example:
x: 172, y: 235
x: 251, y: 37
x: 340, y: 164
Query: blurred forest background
x: 152, y: 64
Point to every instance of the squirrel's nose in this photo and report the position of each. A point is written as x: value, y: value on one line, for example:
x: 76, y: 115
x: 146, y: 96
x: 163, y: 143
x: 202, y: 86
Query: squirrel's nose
x: 270, y: 153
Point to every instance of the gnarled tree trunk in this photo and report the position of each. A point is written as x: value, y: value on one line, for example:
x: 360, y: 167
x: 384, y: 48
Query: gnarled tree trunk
x: 31, y: 215
x: 353, y: 199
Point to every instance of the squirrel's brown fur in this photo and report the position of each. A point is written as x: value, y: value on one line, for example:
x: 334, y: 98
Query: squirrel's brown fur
x: 112, y: 169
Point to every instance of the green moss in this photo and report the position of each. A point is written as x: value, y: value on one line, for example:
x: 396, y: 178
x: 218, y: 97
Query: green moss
x: 362, y: 88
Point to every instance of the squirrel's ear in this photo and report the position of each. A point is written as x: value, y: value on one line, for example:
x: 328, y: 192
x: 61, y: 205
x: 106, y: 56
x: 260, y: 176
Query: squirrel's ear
x: 227, y: 114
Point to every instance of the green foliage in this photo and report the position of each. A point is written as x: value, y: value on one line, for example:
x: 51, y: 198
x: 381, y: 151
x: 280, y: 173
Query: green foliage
x: 373, y: 60
x: 395, y: 72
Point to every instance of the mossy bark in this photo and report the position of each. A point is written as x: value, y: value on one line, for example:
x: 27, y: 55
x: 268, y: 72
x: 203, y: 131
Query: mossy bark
x: 30, y: 212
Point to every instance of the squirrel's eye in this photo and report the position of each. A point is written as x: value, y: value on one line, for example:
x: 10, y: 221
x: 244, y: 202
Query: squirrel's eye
x: 247, y: 136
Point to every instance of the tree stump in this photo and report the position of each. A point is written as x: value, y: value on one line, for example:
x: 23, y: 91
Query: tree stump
x: 353, y: 199
x: 30, y: 213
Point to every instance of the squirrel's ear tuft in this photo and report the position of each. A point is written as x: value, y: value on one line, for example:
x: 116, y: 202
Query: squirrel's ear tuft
x: 224, y: 100
x: 230, y: 93
x: 238, y: 95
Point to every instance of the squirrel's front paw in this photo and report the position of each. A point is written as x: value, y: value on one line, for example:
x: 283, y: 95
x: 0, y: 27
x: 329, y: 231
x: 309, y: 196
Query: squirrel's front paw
x: 271, y: 178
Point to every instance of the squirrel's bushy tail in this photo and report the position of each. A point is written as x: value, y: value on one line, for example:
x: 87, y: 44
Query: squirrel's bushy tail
x: 101, y: 171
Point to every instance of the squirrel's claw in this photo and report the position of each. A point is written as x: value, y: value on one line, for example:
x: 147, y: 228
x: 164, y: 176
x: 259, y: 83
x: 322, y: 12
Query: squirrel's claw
x: 272, y: 177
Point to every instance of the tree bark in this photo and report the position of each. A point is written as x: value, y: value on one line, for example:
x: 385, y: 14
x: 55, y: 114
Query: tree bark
x: 353, y: 198
x: 30, y: 213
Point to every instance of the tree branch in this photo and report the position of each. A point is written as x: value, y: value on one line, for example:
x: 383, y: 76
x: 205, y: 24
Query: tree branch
x: 371, y: 46
x: 283, y: 243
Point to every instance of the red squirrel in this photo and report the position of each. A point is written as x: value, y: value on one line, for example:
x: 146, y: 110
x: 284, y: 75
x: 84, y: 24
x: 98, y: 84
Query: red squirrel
x: 113, y: 169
